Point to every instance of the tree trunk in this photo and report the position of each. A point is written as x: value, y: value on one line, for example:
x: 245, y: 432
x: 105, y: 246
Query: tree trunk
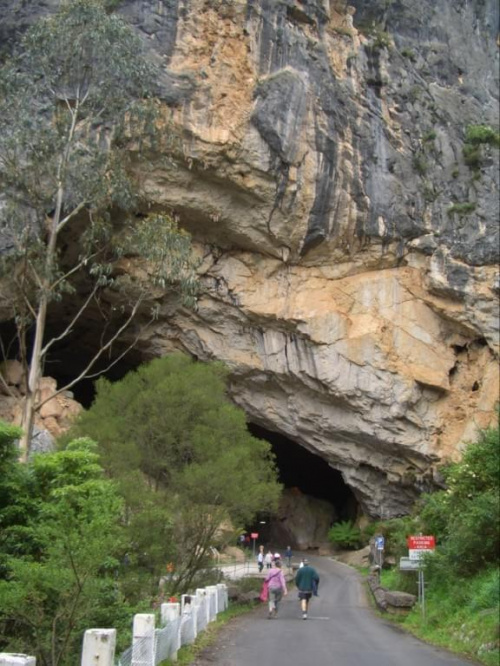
x: 41, y: 320
x: 29, y: 409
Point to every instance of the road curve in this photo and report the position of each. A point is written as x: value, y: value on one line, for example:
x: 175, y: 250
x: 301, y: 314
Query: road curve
x: 341, y: 630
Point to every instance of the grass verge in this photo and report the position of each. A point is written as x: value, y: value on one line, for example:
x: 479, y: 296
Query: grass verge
x: 462, y: 617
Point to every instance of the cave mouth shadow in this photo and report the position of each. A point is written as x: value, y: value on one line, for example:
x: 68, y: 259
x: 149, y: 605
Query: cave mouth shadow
x: 313, y: 476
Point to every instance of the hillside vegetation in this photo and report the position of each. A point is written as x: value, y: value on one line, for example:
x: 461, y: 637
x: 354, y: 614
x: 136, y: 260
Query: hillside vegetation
x: 160, y: 470
x: 462, y: 595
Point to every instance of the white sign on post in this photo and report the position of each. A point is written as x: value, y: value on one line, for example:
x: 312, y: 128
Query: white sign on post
x: 407, y: 564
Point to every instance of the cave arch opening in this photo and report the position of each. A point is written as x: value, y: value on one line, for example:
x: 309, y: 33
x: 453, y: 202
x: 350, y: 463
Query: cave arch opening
x: 302, y: 473
x: 309, y: 481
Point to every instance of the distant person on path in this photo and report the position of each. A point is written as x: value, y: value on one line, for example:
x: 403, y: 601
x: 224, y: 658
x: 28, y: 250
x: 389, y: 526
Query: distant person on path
x: 277, y: 587
x: 268, y: 559
x: 260, y: 558
x: 307, y: 581
x: 288, y: 555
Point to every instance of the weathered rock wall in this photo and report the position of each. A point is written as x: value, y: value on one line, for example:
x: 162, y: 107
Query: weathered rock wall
x: 321, y: 154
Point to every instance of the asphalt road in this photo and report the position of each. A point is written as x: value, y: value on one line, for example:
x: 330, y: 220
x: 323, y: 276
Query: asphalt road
x: 341, y: 630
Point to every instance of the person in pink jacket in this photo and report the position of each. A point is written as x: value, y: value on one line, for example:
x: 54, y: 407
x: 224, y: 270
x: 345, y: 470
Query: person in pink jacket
x: 276, y: 584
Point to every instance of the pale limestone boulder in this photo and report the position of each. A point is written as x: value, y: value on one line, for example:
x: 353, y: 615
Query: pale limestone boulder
x: 47, y: 386
x: 52, y: 425
x: 52, y: 408
x: 12, y: 372
x: 232, y: 554
x: 70, y: 410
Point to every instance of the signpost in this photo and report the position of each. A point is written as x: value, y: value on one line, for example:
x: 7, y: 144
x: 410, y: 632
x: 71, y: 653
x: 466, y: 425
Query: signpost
x: 254, y: 536
x: 379, y: 549
x: 417, y: 546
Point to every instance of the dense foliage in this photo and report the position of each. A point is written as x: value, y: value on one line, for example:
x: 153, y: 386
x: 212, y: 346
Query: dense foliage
x: 345, y: 535
x: 462, y: 576
x: 178, y: 447
x: 94, y: 532
x: 466, y: 516
x: 60, y: 540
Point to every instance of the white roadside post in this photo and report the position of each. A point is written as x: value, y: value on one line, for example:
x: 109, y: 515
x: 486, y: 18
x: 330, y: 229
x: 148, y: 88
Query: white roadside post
x: 170, y: 612
x: 222, y: 588
x: 213, y: 600
x: 7, y: 659
x: 195, y: 602
x: 143, y: 641
x: 98, y: 647
x: 189, y: 606
x: 202, y: 593
x: 188, y: 634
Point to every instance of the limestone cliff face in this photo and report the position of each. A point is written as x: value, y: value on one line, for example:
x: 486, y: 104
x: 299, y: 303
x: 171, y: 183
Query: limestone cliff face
x: 322, y: 175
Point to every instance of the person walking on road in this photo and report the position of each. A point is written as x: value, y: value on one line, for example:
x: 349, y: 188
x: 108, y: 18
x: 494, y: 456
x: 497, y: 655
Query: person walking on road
x: 268, y: 559
x: 260, y: 558
x: 288, y: 555
x: 276, y: 585
x: 307, y: 581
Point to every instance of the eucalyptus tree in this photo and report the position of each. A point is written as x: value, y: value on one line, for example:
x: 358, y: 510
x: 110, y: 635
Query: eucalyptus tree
x: 75, y: 97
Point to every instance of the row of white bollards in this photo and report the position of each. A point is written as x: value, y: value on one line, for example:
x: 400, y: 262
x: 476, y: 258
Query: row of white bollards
x: 181, y: 621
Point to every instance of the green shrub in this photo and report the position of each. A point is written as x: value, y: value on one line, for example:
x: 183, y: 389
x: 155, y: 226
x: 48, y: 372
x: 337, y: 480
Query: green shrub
x: 486, y: 591
x: 420, y: 164
x: 429, y: 136
x: 464, y: 517
x: 345, y: 535
x: 475, y: 137
x: 480, y: 134
x: 462, y: 208
x: 382, y: 40
x: 472, y: 155
x: 408, y: 53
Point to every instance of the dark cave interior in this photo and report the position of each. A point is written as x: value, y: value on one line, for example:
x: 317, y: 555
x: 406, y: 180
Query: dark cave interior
x: 299, y: 468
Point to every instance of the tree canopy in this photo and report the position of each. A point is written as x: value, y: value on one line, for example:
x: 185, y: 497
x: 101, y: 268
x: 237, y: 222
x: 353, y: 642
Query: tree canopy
x: 171, y: 420
x: 78, y: 91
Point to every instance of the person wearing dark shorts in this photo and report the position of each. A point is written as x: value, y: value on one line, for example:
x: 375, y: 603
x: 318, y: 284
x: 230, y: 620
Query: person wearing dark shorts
x: 306, y: 580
